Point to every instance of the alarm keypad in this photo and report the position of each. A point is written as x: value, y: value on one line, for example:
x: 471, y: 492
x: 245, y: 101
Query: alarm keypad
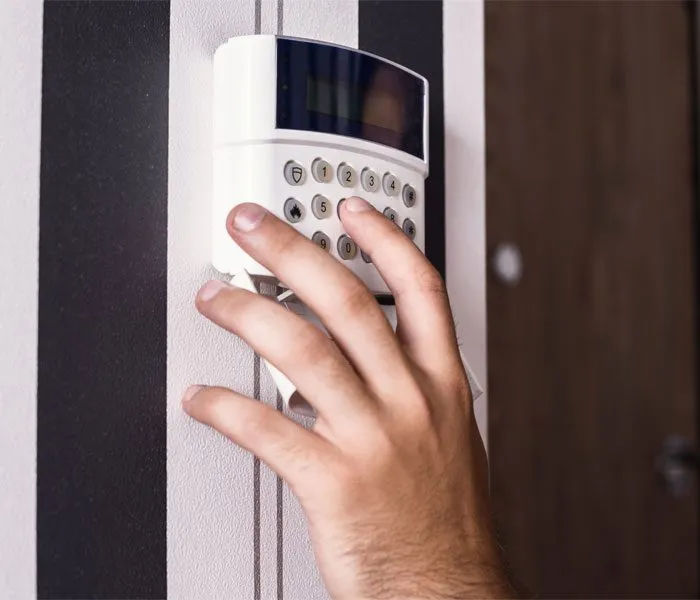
x: 335, y: 179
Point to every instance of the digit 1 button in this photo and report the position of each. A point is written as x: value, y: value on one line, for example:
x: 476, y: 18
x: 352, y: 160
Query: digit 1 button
x: 369, y: 180
x: 346, y: 175
x: 346, y: 247
x: 409, y: 228
x: 294, y: 173
x: 321, y: 207
x: 321, y: 240
x: 392, y: 215
x: 293, y: 210
x: 322, y: 170
x: 391, y: 184
x: 409, y: 195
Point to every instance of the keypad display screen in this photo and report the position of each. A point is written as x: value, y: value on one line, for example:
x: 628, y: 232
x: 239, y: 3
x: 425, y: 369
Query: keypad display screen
x: 335, y: 90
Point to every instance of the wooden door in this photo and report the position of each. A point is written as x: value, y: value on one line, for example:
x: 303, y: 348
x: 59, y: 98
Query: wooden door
x: 592, y: 355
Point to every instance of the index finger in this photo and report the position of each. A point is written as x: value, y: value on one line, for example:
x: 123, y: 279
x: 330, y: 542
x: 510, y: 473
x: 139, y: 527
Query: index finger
x: 425, y: 320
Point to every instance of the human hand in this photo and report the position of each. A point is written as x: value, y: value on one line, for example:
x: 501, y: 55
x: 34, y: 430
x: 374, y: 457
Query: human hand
x: 392, y: 477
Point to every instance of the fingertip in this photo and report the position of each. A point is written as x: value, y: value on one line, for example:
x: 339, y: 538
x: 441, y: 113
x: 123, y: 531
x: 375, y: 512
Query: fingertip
x: 244, y: 218
x: 189, y: 395
x: 355, y: 204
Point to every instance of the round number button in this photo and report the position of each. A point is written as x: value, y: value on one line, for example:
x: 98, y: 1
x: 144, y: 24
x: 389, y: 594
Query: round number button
x: 409, y: 228
x: 321, y: 240
x: 409, y: 195
x: 392, y: 215
x: 365, y: 256
x: 294, y: 173
x: 391, y: 184
x: 347, y: 175
x: 294, y: 210
x: 322, y: 170
x: 369, y: 180
x: 321, y: 207
x: 346, y: 247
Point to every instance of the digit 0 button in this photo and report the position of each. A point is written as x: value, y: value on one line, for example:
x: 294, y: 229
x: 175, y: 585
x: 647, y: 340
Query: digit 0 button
x: 293, y: 210
x: 392, y: 215
x: 347, y: 175
x: 347, y: 248
x: 294, y: 173
x: 369, y: 180
x: 322, y: 170
x: 391, y: 184
x: 321, y: 240
x: 321, y: 207
x: 409, y: 228
x: 409, y: 195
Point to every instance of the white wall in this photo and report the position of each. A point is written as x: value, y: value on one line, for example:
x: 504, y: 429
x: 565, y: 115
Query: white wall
x: 20, y: 129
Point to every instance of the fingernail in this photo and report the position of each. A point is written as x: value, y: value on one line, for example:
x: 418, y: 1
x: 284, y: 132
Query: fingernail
x: 191, y: 392
x: 247, y: 217
x: 357, y: 204
x: 211, y: 289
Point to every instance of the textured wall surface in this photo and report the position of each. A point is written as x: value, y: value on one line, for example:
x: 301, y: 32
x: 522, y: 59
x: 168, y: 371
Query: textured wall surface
x: 232, y: 529
x: 20, y: 121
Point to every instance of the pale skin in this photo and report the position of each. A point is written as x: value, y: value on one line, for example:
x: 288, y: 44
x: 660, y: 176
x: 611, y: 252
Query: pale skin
x: 392, y: 476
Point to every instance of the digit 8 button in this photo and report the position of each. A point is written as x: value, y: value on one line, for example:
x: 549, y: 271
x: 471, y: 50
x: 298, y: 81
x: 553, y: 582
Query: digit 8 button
x: 392, y: 215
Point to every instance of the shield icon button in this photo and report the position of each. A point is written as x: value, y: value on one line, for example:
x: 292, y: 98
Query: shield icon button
x: 296, y: 174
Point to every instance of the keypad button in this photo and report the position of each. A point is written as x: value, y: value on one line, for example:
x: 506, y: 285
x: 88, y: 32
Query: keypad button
x: 392, y: 215
x: 391, y: 184
x: 369, y: 180
x: 321, y: 240
x: 409, y: 195
x: 322, y: 170
x: 365, y: 256
x: 294, y: 173
x: 321, y: 207
x: 294, y: 210
x: 347, y: 248
x: 409, y: 228
x: 347, y: 175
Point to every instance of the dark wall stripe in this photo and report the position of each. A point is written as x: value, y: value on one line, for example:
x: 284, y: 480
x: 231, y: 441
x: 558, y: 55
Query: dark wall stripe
x: 101, y: 462
x: 414, y: 40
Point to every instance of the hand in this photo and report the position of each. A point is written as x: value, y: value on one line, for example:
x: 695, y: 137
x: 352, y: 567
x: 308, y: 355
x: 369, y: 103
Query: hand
x: 392, y: 477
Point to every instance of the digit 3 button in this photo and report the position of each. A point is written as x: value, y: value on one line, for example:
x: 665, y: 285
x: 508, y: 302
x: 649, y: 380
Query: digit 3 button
x: 294, y: 173
x: 392, y: 215
x: 369, y: 180
x: 347, y: 249
x: 294, y: 210
x: 409, y: 228
x: 322, y: 170
x: 321, y: 240
x: 321, y: 207
x: 347, y: 175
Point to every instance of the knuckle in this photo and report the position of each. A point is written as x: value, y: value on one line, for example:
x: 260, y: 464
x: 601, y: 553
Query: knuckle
x: 356, y: 299
x: 429, y: 281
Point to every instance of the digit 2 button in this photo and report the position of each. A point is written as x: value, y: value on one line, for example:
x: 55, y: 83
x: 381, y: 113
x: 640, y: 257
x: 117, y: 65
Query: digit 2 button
x: 346, y: 175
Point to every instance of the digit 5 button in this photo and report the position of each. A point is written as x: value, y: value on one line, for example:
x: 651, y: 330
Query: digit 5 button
x: 321, y: 207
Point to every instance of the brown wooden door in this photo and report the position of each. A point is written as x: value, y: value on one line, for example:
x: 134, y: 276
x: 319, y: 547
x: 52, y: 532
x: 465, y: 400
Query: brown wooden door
x: 592, y: 356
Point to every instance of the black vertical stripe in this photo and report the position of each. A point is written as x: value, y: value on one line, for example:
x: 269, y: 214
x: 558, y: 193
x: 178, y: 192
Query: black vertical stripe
x: 101, y: 457
x: 414, y: 39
